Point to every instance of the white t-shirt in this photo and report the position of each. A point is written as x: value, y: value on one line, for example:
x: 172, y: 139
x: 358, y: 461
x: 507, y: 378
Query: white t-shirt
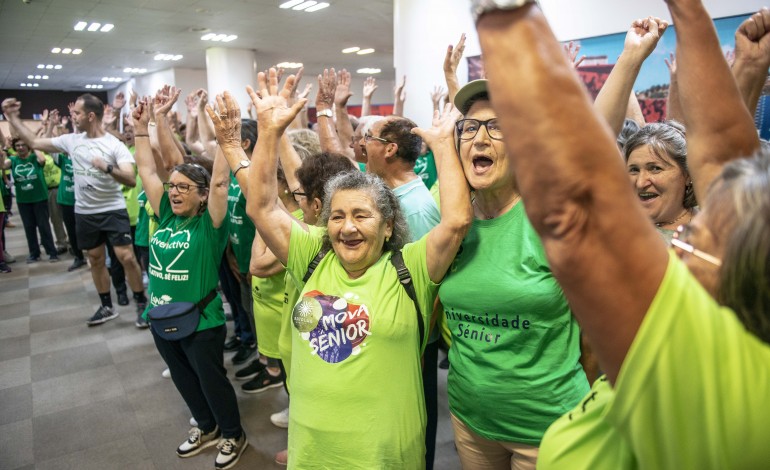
x: 95, y: 191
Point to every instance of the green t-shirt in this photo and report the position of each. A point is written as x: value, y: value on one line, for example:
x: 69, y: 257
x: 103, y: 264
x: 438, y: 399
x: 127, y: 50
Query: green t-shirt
x: 515, y: 345
x: 268, y: 304
x: 66, y: 194
x: 28, y: 179
x: 185, y: 254
x: 131, y: 195
x: 692, y: 391
x: 241, y: 227
x: 357, y: 397
x: 142, y: 236
x: 425, y: 167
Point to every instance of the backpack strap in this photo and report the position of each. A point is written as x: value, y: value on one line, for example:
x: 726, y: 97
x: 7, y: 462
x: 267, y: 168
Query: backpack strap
x: 314, y: 264
x: 205, y: 301
x: 397, y: 259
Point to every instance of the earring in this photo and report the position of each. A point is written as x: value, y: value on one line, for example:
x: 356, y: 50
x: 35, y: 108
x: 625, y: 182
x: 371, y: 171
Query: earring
x: 286, y: 191
x: 387, y: 239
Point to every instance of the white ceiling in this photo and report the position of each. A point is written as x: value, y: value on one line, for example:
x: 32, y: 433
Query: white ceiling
x: 146, y: 27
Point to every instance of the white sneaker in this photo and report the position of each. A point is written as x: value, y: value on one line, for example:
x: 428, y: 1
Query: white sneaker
x: 230, y: 451
x: 166, y: 374
x: 193, y: 423
x: 197, y: 441
x: 280, y: 419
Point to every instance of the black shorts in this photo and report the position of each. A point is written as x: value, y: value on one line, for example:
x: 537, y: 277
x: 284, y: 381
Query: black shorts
x: 93, y: 230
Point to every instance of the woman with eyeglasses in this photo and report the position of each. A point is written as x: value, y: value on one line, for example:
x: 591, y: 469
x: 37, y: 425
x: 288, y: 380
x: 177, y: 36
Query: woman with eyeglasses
x: 185, y: 253
x: 515, y: 345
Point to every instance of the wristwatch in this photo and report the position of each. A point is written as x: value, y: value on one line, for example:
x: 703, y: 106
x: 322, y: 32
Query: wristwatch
x: 243, y: 164
x: 324, y: 112
x: 109, y: 169
x: 479, y: 7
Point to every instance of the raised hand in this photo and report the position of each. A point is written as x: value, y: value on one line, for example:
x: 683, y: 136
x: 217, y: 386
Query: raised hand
x: 165, y: 99
x: 436, y: 96
x: 120, y: 101
x: 343, y: 93
x: 132, y: 99
x: 327, y: 87
x: 752, y: 39
x: 201, y: 99
x: 453, y: 56
x: 109, y: 117
x: 141, y: 115
x: 191, y: 101
x: 45, y: 115
x: 227, y: 121
x: 671, y: 64
x: 11, y: 107
x: 572, y: 49
x: 399, y: 95
x: 53, y: 117
x: 643, y: 36
x: 304, y: 94
x: 442, y: 131
x: 370, y: 85
x: 298, y: 77
x: 273, y: 112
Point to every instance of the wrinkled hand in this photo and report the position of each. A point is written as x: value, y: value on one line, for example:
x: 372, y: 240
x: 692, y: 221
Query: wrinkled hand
x: 227, y: 121
x: 132, y: 99
x: 109, y: 117
x: 343, y: 93
x: 273, y: 113
x: 165, y: 99
x: 399, y: 92
x: 453, y: 56
x: 11, y: 107
x: 327, y: 87
x: 370, y: 85
x: 53, y: 117
x: 572, y: 49
x: 752, y: 39
x: 71, y: 108
x: 437, y: 95
x: 141, y: 116
x: 202, y: 97
x: 643, y: 36
x: 191, y: 101
x: 443, y: 130
x: 120, y: 101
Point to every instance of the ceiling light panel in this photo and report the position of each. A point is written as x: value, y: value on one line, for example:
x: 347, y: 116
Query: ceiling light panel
x: 351, y: 50
x: 290, y: 4
x: 365, y: 51
x: 93, y: 27
x: 289, y: 65
x: 304, y: 5
x: 319, y: 6
x: 368, y: 70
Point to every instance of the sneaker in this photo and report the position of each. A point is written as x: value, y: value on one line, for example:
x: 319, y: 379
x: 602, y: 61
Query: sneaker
x: 53, y: 259
x: 32, y: 259
x: 230, y: 451
x: 232, y: 344
x: 61, y: 250
x: 4, y: 268
x: 263, y: 381
x: 444, y: 364
x: 77, y: 264
x: 193, y: 423
x: 244, y: 353
x: 197, y: 441
x: 281, y: 419
x: 250, y: 371
x: 166, y: 374
x: 9, y: 258
x: 102, y: 315
x: 122, y: 298
x: 282, y: 457
x: 140, y: 322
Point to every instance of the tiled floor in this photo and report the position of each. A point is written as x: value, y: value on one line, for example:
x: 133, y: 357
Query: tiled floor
x: 73, y: 397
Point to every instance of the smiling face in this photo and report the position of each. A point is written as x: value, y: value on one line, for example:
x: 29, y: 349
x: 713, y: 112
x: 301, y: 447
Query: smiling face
x: 357, y: 230
x: 484, y: 159
x: 659, y: 183
x: 185, y: 205
x: 21, y: 149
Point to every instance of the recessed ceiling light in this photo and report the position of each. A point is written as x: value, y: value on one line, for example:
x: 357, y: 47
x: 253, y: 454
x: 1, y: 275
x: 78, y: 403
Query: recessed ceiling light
x: 94, y: 26
x: 37, y: 77
x: 45, y: 77
x: 36, y: 85
x: 107, y: 28
x: 368, y: 70
x: 320, y: 6
x: 303, y: 5
x: 289, y: 65
x: 22, y: 84
x: 57, y: 67
x: 351, y: 50
x: 49, y: 66
x: 56, y: 50
x: 207, y: 37
x: 80, y: 26
x: 365, y: 51
x: 40, y: 66
x: 77, y: 51
x: 219, y: 37
x: 290, y: 3
x: 30, y: 77
x: 229, y: 38
x: 66, y: 50
x: 177, y: 57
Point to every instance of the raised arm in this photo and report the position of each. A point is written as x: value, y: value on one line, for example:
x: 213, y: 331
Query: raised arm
x: 719, y: 127
x: 344, y: 127
x: 370, y: 86
x: 169, y: 145
x: 456, y: 213
x: 191, y: 129
x: 290, y: 162
x: 151, y: 182
x: 262, y: 205
x: 612, y: 100
x: 436, y: 96
x: 205, y: 126
x: 11, y: 110
x: 451, y: 61
x: 227, y: 125
x: 220, y: 184
x: 574, y: 186
x: 752, y: 57
x: 673, y: 106
x: 324, y: 102
x: 399, y: 98
x: 263, y: 262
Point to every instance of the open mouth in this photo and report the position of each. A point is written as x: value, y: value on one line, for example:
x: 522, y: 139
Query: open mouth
x: 351, y: 243
x: 647, y: 196
x: 482, y: 163
x: 176, y: 203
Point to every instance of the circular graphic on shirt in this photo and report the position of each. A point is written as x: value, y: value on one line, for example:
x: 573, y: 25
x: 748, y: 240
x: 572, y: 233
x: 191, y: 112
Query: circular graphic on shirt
x: 306, y: 314
x: 25, y: 169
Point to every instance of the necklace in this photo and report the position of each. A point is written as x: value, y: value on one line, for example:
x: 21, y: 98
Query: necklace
x: 178, y: 227
x: 501, y: 211
x: 663, y: 224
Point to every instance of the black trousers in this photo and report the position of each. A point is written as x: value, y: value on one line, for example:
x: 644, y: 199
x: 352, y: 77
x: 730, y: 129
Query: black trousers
x: 197, y: 369
x: 34, y: 216
x: 68, y: 214
x: 117, y: 273
x: 430, y: 387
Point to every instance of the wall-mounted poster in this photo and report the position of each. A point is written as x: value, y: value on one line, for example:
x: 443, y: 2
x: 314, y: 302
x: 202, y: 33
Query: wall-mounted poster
x: 651, y: 85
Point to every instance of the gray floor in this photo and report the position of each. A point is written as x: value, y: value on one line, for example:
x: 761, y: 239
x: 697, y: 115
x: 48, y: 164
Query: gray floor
x: 73, y: 397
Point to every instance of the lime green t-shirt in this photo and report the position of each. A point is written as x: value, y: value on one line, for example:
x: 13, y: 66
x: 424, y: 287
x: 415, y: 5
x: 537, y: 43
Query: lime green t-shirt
x: 515, y: 344
x: 691, y: 393
x: 242, y: 229
x: 131, y: 195
x: 185, y: 254
x: 142, y: 236
x: 357, y: 397
x: 268, y: 304
x: 66, y: 194
x: 51, y: 172
x: 28, y: 179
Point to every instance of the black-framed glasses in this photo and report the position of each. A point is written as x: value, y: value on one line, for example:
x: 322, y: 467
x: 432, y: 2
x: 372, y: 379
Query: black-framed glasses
x: 181, y: 188
x: 680, y: 240
x: 297, y: 194
x: 369, y: 137
x: 468, y: 128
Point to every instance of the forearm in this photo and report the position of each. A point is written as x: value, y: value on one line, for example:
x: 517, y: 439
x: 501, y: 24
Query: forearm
x: 191, y: 130
x: 220, y: 183
x: 366, y: 106
x: 452, y: 85
x: 750, y: 80
x: 612, y: 100
x: 328, y: 135
x: 124, y: 175
x: 206, y: 129
x: 233, y: 155
x: 290, y: 162
x: 633, y: 110
x: 673, y: 105
x: 456, y: 211
x: 263, y: 183
x: 344, y: 127
x: 398, y: 107
x: 167, y: 142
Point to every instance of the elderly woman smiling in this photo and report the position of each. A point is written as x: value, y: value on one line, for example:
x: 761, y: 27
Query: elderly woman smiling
x: 357, y: 399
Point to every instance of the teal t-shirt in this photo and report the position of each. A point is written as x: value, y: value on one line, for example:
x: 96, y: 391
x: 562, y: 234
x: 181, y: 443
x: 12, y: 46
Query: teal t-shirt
x: 142, y: 236
x: 66, y: 194
x: 185, y: 254
x: 242, y: 229
x: 425, y: 167
x: 28, y: 179
x: 357, y: 397
x: 691, y: 393
x: 419, y: 208
x: 515, y: 344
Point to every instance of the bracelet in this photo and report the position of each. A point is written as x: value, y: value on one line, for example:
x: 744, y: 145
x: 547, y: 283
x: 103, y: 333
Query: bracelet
x: 141, y: 135
x: 151, y: 123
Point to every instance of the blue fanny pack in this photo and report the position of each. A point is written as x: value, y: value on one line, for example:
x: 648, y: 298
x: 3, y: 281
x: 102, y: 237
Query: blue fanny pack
x: 178, y: 320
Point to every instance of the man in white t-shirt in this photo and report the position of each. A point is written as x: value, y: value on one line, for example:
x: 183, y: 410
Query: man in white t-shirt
x: 101, y: 164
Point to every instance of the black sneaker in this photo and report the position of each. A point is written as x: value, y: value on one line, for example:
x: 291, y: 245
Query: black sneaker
x: 250, y: 371
x: 61, y: 250
x: 232, y: 344
x: 244, y: 353
x: 230, y: 451
x: 77, y: 264
x: 122, y: 298
x: 32, y: 259
x: 197, y: 441
x: 53, y: 259
x: 263, y: 381
x: 444, y: 364
x: 102, y: 315
x: 4, y: 268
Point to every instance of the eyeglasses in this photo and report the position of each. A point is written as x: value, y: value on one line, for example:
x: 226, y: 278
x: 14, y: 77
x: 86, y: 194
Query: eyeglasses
x: 679, y: 240
x: 297, y: 194
x: 468, y: 128
x: 369, y: 137
x: 181, y: 188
